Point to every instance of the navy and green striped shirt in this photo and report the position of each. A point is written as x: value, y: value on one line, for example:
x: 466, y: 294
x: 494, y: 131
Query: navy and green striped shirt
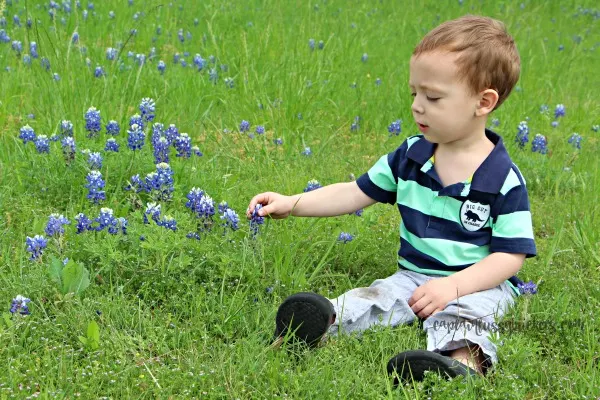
x: 447, y: 229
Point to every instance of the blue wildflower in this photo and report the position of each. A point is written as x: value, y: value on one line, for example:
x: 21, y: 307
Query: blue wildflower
x: 112, y: 128
x: 19, y: 305
x: 161, y: 149
x: 559, y: 111
x: 527, y: 288
x: 36, y: 246
x: 161, y: 66
x: 256, y: 220
x: 395, y: 128
x: 27, y: 134
x: 193, y: 235
x: 147, y: 108
x: 313, y: 184
x: 17, y: 20
x: 522, y: 134
x: 4, y: 38
x: 307, y: 151
x: 54, y: 138
x: 539, y: 144
x: 544, y: 109
x: 575, y: 140
x: 228, y: 82
x: 111, y: 146
x: 99, y: 72
x: 140, y: 59
x: 55, y: 225
x: 160, y: 183
x: 354, y: 127
x: 17, y: 46
x: 26, y: 59
x: 223, y: 206
x: 180, y: 35
x: 364, y: 57
x: 75, y: 37
x: 359, y: 213
x: 33, y: 50
x: 56, y: 76
x: 244, y: 126
x: 168, y: 222
x: 95, y: 160
x: 345, y: 237
x: 111, y: 14
x: 66, y: 128
x: 230, y: 219
x: 561, y: 47
x: 595, y: 128
x: 95, y: 185
x: 136, y: 138
x: 106, y: 219
x: 137, y: 119
x: 42, y: 145
x: 321, y: 45
x: 152, y: 210
x: 199, y: 62
x: 196, y: 151
x: 68, y: 148
x: 260, y: 129
x: 171, y: 133
x: 495, y: 122
x: 278, y: 141
x: 111, y: 53
x: 311, y: 44
x: 92, y: 121
x: 137, y: 184
x: 183, y: 145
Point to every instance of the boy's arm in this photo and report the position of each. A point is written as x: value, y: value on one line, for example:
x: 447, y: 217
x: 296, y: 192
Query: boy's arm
x: 331, y: 200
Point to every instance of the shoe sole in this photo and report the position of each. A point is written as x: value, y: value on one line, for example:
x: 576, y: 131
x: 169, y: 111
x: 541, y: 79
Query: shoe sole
x: 412, y: 365
x: 306, y: 316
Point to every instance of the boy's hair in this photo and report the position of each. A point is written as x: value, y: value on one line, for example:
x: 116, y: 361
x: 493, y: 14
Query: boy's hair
x: 489, y: 58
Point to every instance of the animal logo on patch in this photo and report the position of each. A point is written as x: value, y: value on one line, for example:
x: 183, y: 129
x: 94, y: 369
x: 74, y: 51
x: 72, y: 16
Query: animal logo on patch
x: 474, y: 216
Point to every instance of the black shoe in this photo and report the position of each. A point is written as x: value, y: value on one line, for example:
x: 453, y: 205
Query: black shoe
x: 306, y: 316
x: 411, y: 365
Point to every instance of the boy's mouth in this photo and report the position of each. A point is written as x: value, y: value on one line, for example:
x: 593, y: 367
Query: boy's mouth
x: 423, y: 128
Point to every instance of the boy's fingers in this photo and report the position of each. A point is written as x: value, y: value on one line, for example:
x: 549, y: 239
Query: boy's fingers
x: 266, y: 210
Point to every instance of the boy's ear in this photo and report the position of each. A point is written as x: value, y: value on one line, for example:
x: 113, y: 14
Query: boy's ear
x: 487, y: 101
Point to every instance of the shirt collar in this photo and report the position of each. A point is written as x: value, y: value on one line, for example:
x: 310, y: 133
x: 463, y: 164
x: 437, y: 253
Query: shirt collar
x: 490, y: 175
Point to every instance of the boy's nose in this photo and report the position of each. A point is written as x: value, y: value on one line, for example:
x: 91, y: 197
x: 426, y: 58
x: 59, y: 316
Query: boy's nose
x: 416, y: 107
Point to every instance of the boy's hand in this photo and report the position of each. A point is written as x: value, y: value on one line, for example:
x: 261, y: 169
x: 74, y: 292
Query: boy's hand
x: 273, y: 204
x: 433, y: 296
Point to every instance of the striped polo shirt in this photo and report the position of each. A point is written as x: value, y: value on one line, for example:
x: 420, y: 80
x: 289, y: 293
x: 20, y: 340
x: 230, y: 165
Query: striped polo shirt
x: 447, y: 229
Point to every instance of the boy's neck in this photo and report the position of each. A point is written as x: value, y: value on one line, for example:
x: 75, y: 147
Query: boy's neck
x: 474, y: 142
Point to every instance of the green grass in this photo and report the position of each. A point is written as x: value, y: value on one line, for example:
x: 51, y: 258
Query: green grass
x: 181, y: 318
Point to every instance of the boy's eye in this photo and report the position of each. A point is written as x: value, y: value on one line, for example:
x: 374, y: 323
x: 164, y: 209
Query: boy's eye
x: 433, y: 98
x: 413, y: 94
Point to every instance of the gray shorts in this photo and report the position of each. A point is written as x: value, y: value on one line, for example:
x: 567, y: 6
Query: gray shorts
x: 465, y: 321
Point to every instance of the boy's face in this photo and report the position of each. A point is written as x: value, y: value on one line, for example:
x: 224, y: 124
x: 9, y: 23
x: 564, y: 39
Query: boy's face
x: 443, y: 107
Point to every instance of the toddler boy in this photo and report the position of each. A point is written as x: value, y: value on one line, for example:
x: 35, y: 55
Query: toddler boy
x: 466, y: 225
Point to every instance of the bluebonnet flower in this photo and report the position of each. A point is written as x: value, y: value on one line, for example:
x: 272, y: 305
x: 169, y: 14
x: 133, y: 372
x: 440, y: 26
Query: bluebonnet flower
x: 161, y: 67
x: 575, y: 140
x: 160, y: 183
x: 183, y: 145
x: 122, y: 223
x: 595, y: 128
x: 152, y: 210
x: 307, y: 151
x: 168, y: 222
x: 313, y: 184
x: 522, y: 134
x: 171, y: 133
x: 68, y: 148
x: 133, y: 32
x: 56, y: 76
x: 230, y: 219
x: 19, y: 305
x: 137, y: 184
x: 193, y: 235
x: 111, y: 14
x: 66, y: 128
x: 213, y: 75
x: 364, y: 57
x: 527, y: 287
x: 140, y: 59
x: 33, y: 49
x: 112, y: 128
x: 311, y: 44
x: 176, y: 58
x: 559, y: 111
x: 260, y: 129
x: 359, y: 213
x: 106, y: 219
x: 321, y: 45
x: 111, y: 145
x: 55, y: 225
x: 27, y: 134
x: 199, y: 62
x: 278, y: 141
x: 17, y: 46
x: 111, y: 53
x: 99, y: 72
x: 539, y: 144
x: 36, y: 246
x: 94, y: 160
x: 544, y: 109
x: 229, y: 82
x: 244, y: 126
x: 299, y: 115
x: 136, y: 138
x: 152, y: 54
x: 4, y: 38
x: 212, y: 59
x: 354, y: 127
x: 196, y: 22
x: 95, y: 185
x: 26, y: 59
x: 42, y: 145
x: 147, y: 108
x: 256, y: 220
x: 75, y: 37
x: 92, y: 121
x: 495, y: 122
x: 161, y: 149
x: 223, y: 206
x: 224, y: 67
x: 54, y: 138
x: 17, y: 20
x: 45, y: 63
x: 196, y: 151
x: 136, y: 119
x: 561, y: 47
x: 395, y: 128
x: 345, y: 237
x: 130, y: 54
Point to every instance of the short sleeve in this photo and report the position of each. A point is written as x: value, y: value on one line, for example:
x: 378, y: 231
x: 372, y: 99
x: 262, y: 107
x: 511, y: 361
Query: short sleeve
x: 512, y: 231
x: 381, y: 181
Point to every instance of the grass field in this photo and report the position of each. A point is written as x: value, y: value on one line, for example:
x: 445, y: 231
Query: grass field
x: 166, y: 316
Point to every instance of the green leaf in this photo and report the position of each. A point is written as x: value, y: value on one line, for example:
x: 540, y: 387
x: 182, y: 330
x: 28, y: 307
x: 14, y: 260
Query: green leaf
x: 93, y: 335
x: 7, y: 319
x: 83, y: 340
x: 75, y: 278
x: 56, y: 267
